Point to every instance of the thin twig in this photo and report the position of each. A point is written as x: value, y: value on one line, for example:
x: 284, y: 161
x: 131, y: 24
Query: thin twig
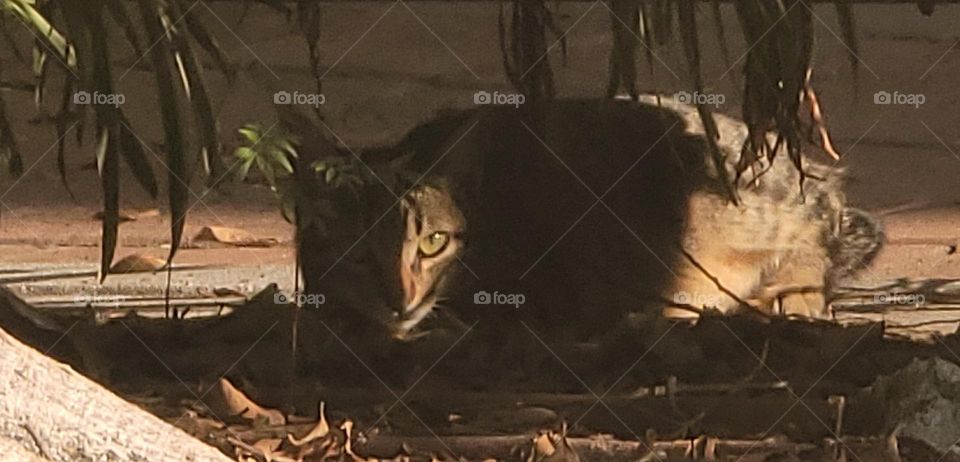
x: 716, y: 282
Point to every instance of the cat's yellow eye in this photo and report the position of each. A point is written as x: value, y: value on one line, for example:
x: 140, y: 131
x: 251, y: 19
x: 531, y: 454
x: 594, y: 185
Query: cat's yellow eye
x: 433, y: 243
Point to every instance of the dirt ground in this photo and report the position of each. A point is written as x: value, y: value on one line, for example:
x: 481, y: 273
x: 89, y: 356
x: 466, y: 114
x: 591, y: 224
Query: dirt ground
x: 392, y: 65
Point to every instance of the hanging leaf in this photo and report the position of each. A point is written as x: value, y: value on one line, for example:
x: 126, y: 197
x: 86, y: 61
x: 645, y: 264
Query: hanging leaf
x: 9, y: 153
x: 625, y: 28
x: 108, y: 119
x: 646, y: 35
x: 121, y: 16
x: 110, y: 182
x: 39, y: 73
x: 662, y: 21
x: 721, y: 30
x: 194, y: 87
x: 686, y: 15
x: 156, y: 23
x: 778, y: 72
x: 64, y: 120
x: 136, y: 159
x: 209, y: 43
x: 27, y: 12
x: 524, y: 51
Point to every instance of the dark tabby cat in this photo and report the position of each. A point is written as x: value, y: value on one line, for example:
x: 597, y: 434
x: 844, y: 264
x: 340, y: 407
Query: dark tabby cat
x: 574, y: 214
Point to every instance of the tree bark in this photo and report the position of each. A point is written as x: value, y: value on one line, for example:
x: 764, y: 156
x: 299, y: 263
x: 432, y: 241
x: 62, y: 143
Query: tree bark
x: 49, y: 412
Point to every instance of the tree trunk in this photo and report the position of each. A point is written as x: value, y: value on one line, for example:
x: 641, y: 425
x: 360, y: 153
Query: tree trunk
x: 50, y: 412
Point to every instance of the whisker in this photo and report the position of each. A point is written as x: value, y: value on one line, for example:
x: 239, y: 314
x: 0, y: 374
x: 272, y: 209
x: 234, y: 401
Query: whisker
x: 447, y: 313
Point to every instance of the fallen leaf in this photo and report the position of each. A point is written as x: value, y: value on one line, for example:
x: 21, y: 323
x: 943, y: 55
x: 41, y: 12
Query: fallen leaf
x: 320, y: 430
x: 199, y: 427
x: 268, y: 446
x: 552, y: 447
x: 238, y: 404
x: 227, y: 292
x: 232, y: 236
x: 267, y: 449
x: 543, y: 446
x: 137, y: 263
x: 131, y: 215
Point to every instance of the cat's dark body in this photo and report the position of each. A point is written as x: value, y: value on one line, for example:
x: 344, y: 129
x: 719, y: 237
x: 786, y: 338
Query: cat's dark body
x: 582, y: 208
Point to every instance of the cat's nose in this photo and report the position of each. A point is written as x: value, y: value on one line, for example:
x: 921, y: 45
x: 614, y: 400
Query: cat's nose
x: 409, y: 287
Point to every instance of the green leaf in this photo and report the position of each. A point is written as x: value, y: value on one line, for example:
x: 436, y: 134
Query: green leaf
x: 280, y: 158
x: 251, y: 132
x: 245, y: 168
x: 267, y: 170
x: 244, y: 153
x: 27, y: 12
x: 39, y: 73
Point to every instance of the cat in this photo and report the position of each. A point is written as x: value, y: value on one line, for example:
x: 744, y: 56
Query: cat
x: 576, y: 213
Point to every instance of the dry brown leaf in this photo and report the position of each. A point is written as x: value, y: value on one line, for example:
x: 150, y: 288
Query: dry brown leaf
x: 267, y: 449
x: 238, y: 404
x: 137, y: 263
x: 543, y: 446
x: 331, y: 446
x: 231, y: 236
x: 347, y: 427
x: 197, y: 426
x: 552, y: 447
x: 227, y: 292
x: 130, y: 215
x: 320, y: 430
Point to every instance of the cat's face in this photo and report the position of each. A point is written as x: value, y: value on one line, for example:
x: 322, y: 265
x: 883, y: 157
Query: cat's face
x: 433, y: 229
